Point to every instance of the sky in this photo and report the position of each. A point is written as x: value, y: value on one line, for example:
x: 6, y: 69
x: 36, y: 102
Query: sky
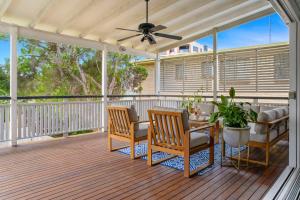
x: 253, y: 33
x: 265, y: 30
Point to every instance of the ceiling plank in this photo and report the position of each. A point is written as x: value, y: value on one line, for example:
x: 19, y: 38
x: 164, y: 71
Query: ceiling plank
x: 223, y: 25
x: 181, y: 25
x: 125, y: 7
x: 136, y: 12
x: 66, y: 23
x: 4, y: 7
x: 160, y: 15
x: 42, y: 13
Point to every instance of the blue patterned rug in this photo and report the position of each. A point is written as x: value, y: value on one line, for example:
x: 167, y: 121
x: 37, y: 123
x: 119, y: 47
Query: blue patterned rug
x: 196, y: 159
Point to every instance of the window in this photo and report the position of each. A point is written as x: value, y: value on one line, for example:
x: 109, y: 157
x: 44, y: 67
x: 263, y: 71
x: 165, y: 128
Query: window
x: 172, y: 50
x: 184, y: 48
x: 195, y: 49
x: 179, y: 72
x: 205, y: 48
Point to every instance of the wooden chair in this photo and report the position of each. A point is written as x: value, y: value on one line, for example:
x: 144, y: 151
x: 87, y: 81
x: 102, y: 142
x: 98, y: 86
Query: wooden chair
x: 123, y: 125
x: 169, y: 132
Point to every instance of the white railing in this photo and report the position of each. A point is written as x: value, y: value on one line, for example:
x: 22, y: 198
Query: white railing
x: 47, y: 119
x: 53, y: 118
x: 4, y: 123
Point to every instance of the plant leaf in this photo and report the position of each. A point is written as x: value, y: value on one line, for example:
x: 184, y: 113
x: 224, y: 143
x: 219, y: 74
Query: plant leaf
x: 232, y: 92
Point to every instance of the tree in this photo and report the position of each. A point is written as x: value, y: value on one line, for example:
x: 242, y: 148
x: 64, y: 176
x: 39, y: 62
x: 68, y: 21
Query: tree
x: 59, y: 69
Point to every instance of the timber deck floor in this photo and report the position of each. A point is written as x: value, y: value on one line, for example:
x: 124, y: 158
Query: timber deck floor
x: 81, y: 168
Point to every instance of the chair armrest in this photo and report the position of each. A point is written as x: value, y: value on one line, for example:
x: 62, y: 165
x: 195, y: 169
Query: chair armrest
x: 139, y: 122
x: 274, y: 121
x: 200, y: 128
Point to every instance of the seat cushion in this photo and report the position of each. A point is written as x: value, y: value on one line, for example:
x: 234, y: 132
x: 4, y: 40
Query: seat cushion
x: 279, y: 112
x: 198, y: 138
x: 265, y: 116
x: 206, y: 108
x: 255, y: 108
x: 263, y: 137
x: 142, y: 131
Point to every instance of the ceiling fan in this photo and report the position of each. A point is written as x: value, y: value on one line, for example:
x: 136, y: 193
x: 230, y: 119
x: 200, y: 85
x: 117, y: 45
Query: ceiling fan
x: 149, y: 30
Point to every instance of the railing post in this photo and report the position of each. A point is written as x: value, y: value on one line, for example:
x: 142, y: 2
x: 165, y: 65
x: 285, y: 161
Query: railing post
x: 66, y: 118
x: 104, y: 89
x: 13, y: 85
x: 215, y: 63
x: 157, y: 74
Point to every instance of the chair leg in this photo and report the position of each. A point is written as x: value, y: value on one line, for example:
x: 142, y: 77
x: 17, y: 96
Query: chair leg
x: 267, y: 154
x: 109, y: 142
x: 132, y: 149
x: 248, y: 155
x: 149, y: 160
x: 186, y: 163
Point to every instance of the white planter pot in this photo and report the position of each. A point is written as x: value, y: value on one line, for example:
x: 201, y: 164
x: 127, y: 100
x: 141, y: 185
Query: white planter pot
x: 236, y: 136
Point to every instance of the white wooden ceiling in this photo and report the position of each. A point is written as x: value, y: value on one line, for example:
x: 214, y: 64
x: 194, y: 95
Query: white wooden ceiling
x: 97, y: 19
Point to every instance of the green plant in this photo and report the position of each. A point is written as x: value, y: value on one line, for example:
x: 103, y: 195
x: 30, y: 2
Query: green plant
x: 189, y: 102
x: 233, y: 114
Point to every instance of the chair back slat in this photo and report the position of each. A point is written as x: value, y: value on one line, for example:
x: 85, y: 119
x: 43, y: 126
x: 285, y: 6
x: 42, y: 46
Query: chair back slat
x: 167, y: 128
x: 119, y: 120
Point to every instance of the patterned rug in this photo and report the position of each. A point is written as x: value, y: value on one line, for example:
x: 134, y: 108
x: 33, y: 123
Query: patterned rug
x: 196, y: 159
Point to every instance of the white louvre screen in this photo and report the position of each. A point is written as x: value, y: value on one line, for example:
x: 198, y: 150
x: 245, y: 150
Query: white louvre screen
x: 197, y: 74
x: 256, y: 70
x: 248, y: 70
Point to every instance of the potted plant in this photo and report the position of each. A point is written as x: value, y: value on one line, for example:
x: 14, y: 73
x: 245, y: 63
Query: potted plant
x: 235, y: 119
x: 191, y: 102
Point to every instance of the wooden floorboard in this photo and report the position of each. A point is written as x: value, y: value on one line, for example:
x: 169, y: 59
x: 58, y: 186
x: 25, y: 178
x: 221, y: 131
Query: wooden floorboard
x: 81, y: 168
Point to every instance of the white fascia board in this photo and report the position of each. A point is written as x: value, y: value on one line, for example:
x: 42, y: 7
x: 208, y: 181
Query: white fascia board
x: 60, y: 38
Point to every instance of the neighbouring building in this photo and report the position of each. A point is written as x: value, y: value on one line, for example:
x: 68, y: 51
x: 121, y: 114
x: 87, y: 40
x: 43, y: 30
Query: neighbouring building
x: 192, y: 47
x: 260, y: 70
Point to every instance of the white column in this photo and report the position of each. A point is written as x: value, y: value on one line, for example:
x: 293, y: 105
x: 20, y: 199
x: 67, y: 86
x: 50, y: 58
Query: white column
x: 157, y: 74
x: 215, y: 68
x: 104, y: 89
x: 13, y: 84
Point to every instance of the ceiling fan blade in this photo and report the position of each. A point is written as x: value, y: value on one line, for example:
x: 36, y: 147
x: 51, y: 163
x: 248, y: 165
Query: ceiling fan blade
x: 157, y: 28
x: 173, y: 37
x: 126, y: 38
x: 125, y: 29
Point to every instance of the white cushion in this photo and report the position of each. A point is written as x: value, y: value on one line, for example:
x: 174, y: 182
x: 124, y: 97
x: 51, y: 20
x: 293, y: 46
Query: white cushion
x: 265, y: 116
x: 263, y: 137
x: 255, y: 108
x: 205, y: 108
x: 266, y: 108
x: 279, y: 112
x: 142, y: 131
x: 198, y: 138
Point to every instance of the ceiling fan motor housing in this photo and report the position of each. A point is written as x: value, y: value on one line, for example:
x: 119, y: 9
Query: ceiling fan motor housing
x: 146, y: 27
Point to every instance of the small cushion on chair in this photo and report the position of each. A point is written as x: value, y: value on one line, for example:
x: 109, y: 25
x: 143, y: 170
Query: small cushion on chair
x: 142, y: 131
x: 198, y: 138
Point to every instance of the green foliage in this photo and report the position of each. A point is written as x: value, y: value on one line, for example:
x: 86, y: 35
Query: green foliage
x: 233, y: 114
x: 190, y: 101
x: 59, y: 69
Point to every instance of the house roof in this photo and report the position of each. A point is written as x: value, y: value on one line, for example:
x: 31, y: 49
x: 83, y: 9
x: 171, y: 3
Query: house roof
x: 96, y: 20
